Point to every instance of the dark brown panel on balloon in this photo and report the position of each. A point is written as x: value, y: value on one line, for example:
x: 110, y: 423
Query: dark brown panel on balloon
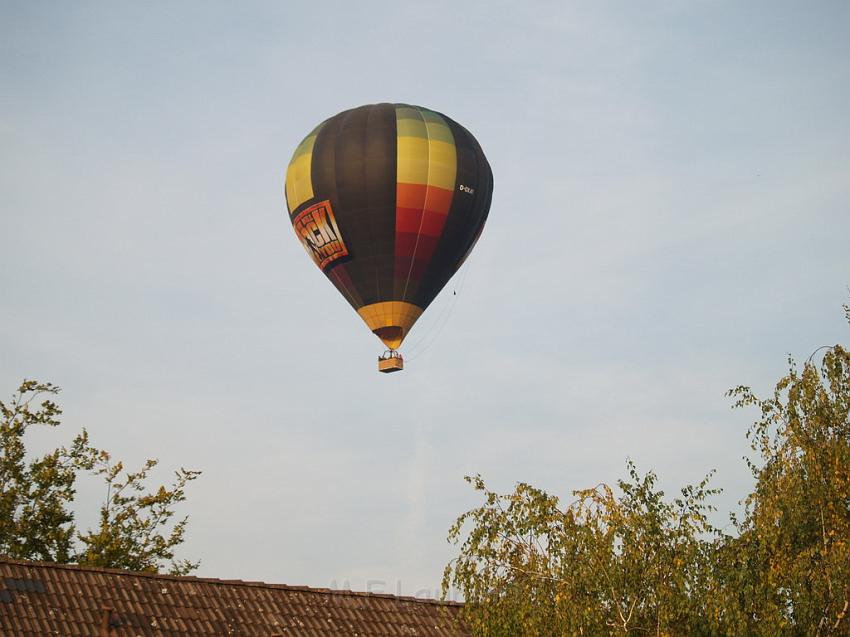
x: 354, y: 166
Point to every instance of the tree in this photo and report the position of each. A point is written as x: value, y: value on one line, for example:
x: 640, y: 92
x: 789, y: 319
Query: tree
x: 628, y: 561
x: 132, y: 522
x: 35, y: 522
x: 792, y: 553
x: 36, y: 519
x: 605, y: 564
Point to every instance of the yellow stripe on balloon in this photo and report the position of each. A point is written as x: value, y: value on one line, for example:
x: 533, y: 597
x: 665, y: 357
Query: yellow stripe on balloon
x: 426, y: 153
x: 299, y: 180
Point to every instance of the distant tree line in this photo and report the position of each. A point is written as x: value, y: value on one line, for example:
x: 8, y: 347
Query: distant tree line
x: 626, y: 560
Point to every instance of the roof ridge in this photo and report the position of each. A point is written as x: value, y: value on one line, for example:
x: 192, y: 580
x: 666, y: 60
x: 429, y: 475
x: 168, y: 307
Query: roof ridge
x: 229, y: 582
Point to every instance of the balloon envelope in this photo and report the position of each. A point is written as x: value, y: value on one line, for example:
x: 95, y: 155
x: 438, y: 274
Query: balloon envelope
x: 388, y: 200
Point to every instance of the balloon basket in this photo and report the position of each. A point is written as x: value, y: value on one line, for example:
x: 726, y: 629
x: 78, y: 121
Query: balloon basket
x: 390, y: 361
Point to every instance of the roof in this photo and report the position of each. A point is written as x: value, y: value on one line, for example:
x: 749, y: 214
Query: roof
x: 39, y: 598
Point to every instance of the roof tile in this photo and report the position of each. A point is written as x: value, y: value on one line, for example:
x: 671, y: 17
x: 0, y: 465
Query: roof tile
x: 55, y: 599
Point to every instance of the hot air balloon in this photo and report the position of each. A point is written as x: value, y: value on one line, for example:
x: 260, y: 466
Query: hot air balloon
x: 388, y: 200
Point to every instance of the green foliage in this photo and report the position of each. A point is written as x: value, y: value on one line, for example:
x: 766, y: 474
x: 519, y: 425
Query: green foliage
x: 625, y: 560
x: 604, y: 564
x: 793, y: 544
x: 36, y: 521
x: 132, y: 521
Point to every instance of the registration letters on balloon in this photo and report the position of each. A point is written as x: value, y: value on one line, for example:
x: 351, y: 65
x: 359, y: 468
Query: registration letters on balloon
x: 316, y: 226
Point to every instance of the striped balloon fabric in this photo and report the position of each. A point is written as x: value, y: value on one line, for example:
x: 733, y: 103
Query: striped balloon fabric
x: 388, y: 200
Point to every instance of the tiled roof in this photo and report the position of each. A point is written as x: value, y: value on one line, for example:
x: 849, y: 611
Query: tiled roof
x: 38, y: 598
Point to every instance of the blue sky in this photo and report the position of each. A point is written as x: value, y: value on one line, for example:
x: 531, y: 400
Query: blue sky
x: 670, y: 218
